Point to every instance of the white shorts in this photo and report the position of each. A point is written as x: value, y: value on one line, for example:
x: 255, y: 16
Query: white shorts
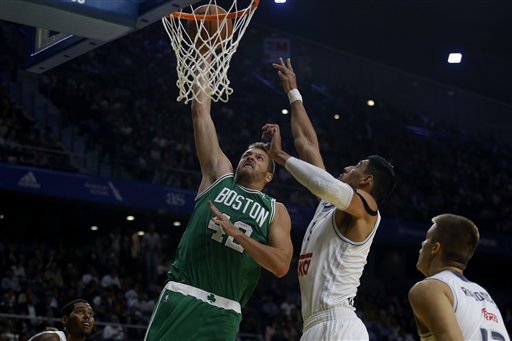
x: 334, y: 324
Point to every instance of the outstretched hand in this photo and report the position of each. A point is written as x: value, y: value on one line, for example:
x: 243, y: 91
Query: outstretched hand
x: 271, y: 131
x: 286, y: 74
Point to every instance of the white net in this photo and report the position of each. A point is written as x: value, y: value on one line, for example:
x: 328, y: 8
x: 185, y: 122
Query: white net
x: 204, y: 46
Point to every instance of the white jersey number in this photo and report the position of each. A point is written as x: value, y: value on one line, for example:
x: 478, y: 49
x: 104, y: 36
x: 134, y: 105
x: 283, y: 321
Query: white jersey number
x: 230, y: 242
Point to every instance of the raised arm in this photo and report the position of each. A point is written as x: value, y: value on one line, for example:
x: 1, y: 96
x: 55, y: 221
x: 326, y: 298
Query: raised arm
x: 304, y: 134
x: 317, y: 180
x: 212, y: 159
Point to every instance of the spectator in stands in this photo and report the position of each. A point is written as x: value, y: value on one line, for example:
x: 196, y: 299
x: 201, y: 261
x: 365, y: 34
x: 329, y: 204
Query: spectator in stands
x: 19, y: 268
x: 288, y: 305
x: 111, y: 280
x: 90, y: 275
x: 32, y: 307
x: 78, y: 321
x: 113, y: 330
x: 11, y: 281
x: 151, y: 246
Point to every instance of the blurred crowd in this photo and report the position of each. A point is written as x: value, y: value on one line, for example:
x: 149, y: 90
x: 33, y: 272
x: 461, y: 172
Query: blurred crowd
x: 23, y: 141
x: 123, y: 98
x: 130, y: 112
x: 37, y: 280
x: 121, y: 274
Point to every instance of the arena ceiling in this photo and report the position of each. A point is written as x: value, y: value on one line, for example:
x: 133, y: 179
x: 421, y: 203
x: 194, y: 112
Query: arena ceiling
x: 412, y: 35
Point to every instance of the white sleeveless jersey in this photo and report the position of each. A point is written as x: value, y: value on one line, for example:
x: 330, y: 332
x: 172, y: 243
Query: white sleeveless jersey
x: 61, y: 335
x: 330, y: 265
x: 478, y: 316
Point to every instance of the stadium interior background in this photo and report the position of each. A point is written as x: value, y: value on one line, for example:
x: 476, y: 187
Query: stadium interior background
x: 101, y: 136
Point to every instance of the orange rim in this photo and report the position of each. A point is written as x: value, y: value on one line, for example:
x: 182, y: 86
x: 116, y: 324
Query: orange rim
x: 215, y: 17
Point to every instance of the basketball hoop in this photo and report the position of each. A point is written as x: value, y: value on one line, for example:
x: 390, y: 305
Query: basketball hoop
x: 204, y: 40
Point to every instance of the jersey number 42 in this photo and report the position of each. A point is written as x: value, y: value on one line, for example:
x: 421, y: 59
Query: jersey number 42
x: 230, y: 242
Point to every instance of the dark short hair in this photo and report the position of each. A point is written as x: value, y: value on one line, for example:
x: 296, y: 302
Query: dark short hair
x: 69, y: 307
x: 384, y: 177
x: 458, y: 236
x: 261, y: 146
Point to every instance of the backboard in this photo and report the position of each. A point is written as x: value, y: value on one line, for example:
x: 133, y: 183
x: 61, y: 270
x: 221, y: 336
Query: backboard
x: 59, y: 30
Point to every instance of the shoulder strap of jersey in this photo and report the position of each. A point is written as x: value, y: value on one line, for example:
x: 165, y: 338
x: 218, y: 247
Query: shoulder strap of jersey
x: 365, y: 204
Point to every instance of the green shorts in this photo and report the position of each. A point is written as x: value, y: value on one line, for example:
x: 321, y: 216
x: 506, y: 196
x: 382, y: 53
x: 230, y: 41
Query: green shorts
x: 186, y: 313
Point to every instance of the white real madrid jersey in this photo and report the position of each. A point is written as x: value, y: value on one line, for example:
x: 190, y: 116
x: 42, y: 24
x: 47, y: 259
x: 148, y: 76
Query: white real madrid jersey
x: 477, y: 314
x: 330, y: 265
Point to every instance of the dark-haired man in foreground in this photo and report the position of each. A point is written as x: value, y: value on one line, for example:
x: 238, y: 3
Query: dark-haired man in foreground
x: 78, y: 321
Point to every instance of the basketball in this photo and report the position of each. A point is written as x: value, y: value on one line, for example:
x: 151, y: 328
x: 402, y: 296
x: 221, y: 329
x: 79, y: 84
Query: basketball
x: 214, y: 31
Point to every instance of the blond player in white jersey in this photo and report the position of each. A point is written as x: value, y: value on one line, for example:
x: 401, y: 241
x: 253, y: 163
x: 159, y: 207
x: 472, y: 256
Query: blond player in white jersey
x: 338, y: 238
x: 446, y: 305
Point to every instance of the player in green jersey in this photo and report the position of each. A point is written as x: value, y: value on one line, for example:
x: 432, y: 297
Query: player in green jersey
x: 220, y: 255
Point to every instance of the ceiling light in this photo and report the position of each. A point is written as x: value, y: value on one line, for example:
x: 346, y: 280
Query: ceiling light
x: 284, y: 111
x: 454, y: 58
x: 130, y: 218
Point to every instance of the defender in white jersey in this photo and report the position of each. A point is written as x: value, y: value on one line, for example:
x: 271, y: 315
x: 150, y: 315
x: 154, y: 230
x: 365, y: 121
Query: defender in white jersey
x: 78, y: 321
x: 446, y: 305
x: 338, y: 238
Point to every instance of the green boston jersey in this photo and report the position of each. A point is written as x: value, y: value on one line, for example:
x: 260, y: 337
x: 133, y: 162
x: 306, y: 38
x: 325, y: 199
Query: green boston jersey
x: 213, y: 261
